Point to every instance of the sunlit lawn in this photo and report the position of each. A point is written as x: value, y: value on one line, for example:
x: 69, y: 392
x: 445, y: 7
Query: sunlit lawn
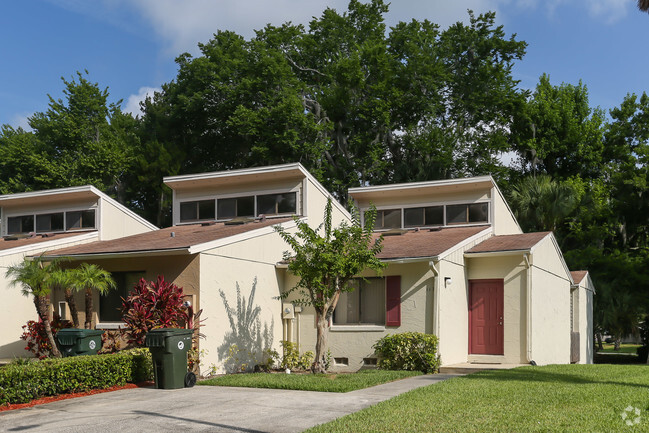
x: 624, y: 348
x: 311, y: 382
x: 558, y: 398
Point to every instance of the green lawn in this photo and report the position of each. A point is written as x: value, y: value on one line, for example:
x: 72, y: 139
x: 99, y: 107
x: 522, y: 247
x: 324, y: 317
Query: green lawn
x: 624, y: 348
x: 311, y: 382
x: 564, y: 398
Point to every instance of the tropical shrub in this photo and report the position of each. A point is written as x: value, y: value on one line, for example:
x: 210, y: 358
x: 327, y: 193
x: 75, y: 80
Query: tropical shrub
x: 408, y: 351
x: 36, y: 337
x: 292, y: 359
x: 152, y: 305
x: 22, y: 383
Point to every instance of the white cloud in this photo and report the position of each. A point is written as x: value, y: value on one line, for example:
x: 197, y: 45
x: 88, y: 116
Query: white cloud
x: 610, y: 10
x: 133, y: 102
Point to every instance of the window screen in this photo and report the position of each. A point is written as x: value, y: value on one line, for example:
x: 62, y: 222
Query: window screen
x: 424, y: 216
x: 388, y: 219
x: 197, y: 210
x: 84, y: 219
x: 273, y: 204
x: 52, y: 222
x: 235, y: 207
x: 20, y: 224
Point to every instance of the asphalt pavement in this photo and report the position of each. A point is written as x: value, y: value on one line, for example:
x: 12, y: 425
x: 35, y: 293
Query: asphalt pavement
x: 202, y: 409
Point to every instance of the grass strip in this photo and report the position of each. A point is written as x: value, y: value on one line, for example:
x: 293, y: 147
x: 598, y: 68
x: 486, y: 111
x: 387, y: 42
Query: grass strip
x: 342, y: 382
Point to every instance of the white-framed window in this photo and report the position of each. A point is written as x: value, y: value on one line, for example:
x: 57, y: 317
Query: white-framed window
x: 198, y: 210
x: 438, y: 215
x: 365, y: 305
x: 85, y: 219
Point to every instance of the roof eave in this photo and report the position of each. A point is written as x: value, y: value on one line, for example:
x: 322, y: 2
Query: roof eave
x: 121, y: 254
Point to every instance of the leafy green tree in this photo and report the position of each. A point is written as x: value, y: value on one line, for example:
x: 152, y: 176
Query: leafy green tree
x: 88, y: 278
x: 557, y: 132
x: 325, y: 264
x: 32, y: 275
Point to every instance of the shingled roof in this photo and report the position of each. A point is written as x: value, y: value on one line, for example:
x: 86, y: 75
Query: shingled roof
x: 171, y: 238
x: 9, y: 242
x: 519, y: 242
x: 425, y: 243
x: 577, y: 276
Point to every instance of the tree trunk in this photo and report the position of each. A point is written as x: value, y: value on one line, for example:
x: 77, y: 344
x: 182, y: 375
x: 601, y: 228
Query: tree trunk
x: 43, y: 307
x: 69, y: 298
x: 88, y: 323
x: 598, y: 337
x: 320, y: 345
x: 618, y: 341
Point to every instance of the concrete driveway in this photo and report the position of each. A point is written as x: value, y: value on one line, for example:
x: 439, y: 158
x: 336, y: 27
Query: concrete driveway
x: 202, y: 408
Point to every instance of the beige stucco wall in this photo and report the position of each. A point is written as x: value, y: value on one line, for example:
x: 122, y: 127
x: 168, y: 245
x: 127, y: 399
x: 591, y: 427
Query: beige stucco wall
x: 240, y: 263
x: 316, y: 201
x: 512, y: 269
x: 550, y: 305
x: 17, y: 309
x: 354, y: 342
x: 504, y: 222
x: 182, y: 271
x: 115, y: 222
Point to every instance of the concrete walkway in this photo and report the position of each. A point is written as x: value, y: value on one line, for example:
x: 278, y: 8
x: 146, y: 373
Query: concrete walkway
x: 203, y: 408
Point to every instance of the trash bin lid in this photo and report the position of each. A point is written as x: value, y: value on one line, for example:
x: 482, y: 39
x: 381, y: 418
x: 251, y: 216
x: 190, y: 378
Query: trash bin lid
x: 156, y: 337
x: 69, y: 336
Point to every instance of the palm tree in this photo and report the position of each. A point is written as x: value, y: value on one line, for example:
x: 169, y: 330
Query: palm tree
x: 65, y: 279
x: 541, y: 203
x: 33, y: 276
x: 89, y: 278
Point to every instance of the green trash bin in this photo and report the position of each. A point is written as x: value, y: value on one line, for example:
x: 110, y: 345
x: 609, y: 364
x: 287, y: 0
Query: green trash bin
x: 169, y: 347
x: 75, y: 342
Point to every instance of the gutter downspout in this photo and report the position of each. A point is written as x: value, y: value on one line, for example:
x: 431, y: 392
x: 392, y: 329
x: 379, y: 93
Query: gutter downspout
x: 528, y: 265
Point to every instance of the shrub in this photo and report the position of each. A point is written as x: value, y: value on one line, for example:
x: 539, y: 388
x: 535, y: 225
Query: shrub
x: 152, y: 305
x: 408, y: 351
x: 22, y: 383
x: 36, y: 337
x: 292, y: 359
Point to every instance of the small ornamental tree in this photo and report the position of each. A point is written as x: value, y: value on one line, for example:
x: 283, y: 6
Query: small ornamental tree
x: 326, y: 263
x: 88, y: 278
x: 152, y: 305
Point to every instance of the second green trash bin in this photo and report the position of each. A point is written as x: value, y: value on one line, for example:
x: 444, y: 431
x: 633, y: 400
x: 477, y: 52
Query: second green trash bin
x: 75, y: 342
x: 169, y: 347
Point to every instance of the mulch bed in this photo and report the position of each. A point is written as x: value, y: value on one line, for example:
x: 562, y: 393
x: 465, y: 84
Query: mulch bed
x: 53, y: 398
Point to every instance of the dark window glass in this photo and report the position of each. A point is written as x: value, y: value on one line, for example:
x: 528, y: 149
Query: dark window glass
x: 236, y: 207
x: 479, y: 213
x: 435, y: 216
x: 364, y: 305
x: 391, y: 219
x: 456, y: 214
x: 206, y: 210
x: 197, y: 210
x: 188, y: 211
x: 84, y: 219
x: 110, y: 304
x: 20, y: 224
x: 413, y: 217
x: 273, y: 204
x: 49, y: 222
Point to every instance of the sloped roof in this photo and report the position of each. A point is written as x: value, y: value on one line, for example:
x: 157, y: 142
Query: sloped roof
x: 184, y: 237
x: 9, y: 242
x: 518, y: 242
x: 577, y: 276
x: 425, y: 243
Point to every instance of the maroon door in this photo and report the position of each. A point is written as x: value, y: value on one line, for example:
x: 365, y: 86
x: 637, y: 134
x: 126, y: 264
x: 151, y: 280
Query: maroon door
x: 486, y: 317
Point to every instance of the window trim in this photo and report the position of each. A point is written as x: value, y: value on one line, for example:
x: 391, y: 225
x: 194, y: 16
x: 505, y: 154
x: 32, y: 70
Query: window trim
x: 197, y: 211
x: 370, y: 327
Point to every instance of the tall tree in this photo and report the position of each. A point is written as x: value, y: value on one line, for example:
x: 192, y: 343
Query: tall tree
x: 325, y: 264
x: 33, y: 275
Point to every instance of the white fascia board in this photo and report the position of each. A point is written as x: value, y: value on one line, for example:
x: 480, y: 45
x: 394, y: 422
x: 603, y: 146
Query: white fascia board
x: 238, y: 172
x: 48, y: 245
x: 47, y: 192
x: 496, y: 253
x: 123, y: 208
x: 488, y: 230
x: 199, y: 248
x: 590, y: 286
x: 556, y: 246
x: 124, y: 254
x: 405, y: 260
x: 411, y: 185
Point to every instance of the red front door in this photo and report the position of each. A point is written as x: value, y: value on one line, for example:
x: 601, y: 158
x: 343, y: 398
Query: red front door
x: 486, y: 317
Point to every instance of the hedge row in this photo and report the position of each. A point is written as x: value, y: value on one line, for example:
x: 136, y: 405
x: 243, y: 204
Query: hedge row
x: 21, y: 383
x: 413, y: 351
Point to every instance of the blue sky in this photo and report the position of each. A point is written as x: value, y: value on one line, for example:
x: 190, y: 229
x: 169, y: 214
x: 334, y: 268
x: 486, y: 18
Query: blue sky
x: 129, y: 46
